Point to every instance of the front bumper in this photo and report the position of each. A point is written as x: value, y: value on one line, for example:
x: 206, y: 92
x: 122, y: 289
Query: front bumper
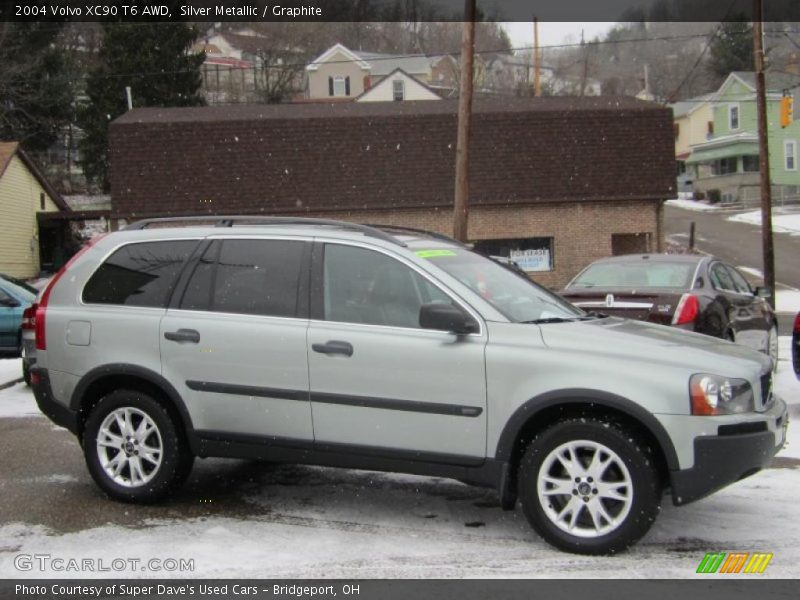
x: 736, y: 453
x: 50, y: 407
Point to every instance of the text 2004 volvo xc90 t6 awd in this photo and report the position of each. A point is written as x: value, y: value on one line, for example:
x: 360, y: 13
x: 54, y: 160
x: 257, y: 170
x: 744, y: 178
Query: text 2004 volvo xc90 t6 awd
x: 157, y: 345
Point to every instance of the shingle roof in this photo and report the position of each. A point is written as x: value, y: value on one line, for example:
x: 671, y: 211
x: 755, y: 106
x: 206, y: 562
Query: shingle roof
x: 383, y: 64
x: 388, y: 155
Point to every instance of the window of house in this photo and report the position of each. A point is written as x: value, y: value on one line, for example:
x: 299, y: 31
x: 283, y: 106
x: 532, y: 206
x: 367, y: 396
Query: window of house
x: 750, y: 164
x: 790, y: 155
x: 338, y: 86
x: 733, y: 116
x: 709, y: 128
x: 677, y: 130
x: 724, y: 166
x: 681, y: 165
x: 531, y: 254
x: 398, y: 89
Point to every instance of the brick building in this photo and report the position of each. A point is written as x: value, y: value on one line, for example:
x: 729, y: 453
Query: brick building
x: 555, y: 182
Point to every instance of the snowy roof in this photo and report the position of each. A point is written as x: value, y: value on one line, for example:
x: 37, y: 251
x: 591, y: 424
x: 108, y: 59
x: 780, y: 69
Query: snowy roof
x: 775, y: 82
x: 685, y: 107
x: 383, y: 64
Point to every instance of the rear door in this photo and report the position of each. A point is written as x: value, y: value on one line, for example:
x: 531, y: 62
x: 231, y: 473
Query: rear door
x: 10, y: 319
x: 233, y: 341
x: 379, y: 382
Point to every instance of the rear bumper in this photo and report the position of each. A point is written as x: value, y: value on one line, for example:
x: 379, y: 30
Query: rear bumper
x: 724, y: 459
x: 50, y: 407
x: 29, y: 351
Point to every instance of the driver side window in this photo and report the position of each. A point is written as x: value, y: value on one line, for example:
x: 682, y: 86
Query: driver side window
x: 368, y: 287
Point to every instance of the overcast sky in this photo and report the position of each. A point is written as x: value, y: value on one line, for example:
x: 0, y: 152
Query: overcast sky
x: 551, y: 33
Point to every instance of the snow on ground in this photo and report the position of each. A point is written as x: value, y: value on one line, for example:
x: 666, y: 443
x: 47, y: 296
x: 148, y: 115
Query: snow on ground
x: 781, y: 222
x: 10, y: 369
x: 18, y: 401
x: 359, y: 524
x: 692, y: 204
x: 787, y: 301
x: 370, y: 525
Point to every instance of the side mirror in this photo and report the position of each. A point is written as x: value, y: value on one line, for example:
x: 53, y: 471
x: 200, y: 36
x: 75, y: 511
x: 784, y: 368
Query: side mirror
x: 446, y: 317
x: 763, y: 292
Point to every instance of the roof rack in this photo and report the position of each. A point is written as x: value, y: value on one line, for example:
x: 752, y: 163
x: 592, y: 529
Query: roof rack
x: 230, y: 221
x: 432, y: 234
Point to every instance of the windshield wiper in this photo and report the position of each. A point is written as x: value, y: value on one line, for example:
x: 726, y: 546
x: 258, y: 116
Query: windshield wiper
x: 589, y: 316
x: 551, y: 320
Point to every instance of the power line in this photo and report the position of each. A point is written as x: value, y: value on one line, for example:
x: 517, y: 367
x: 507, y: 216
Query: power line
x: 389, y: 57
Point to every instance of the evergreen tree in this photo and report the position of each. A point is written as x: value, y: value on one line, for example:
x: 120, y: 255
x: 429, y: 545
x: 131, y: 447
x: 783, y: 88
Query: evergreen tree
x: 37, y: 83
x: 155, y: 61
x: 731, y: 49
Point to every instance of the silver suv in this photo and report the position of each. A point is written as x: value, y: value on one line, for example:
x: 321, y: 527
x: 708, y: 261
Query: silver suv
x: 330, y: 343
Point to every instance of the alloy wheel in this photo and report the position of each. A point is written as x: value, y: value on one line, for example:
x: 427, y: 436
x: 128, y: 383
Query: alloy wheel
x: 585, y: 488
x: 129, y: 447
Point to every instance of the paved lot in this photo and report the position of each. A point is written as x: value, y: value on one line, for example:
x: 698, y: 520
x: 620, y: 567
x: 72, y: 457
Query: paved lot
x: 246, y: 519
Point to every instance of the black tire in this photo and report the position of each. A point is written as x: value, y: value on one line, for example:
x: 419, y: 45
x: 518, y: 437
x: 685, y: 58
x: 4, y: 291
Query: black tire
x: 26, y: 372
x: 644, y: 502
x: 176, y: 459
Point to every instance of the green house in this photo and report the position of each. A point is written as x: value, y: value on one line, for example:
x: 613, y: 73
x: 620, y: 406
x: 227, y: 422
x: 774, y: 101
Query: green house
x: 726, y: 167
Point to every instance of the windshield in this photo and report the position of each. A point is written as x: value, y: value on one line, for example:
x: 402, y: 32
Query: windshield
x: 636, y: 275
x: 20, y: 288
x: 514, y: 295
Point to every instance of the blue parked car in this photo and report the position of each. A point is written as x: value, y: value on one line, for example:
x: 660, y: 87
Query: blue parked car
x: 15, y: 297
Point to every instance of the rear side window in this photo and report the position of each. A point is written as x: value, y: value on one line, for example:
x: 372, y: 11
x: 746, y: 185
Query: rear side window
x: 256, y: 277
x: 139, y: 274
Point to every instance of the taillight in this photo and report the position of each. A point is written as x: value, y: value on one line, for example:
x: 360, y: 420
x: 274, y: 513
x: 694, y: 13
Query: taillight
x: 29, y: 318
x: 687, y: 310
x: 797, y: 323
x: 41, y: 309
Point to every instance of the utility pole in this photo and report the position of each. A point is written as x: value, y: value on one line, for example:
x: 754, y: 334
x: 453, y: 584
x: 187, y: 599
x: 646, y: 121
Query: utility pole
x: 763, y: 153
x: 461, y: 203
x: 537, y: 60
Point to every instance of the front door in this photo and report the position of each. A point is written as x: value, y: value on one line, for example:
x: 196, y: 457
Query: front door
x: 379, y: 382
x: 235, y: 342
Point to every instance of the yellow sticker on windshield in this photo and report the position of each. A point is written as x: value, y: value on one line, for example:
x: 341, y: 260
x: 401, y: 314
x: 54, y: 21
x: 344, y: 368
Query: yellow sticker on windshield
x: 434, y: 253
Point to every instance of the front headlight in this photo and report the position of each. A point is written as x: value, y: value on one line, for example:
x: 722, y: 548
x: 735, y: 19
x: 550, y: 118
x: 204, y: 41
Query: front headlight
x: 715, y: 395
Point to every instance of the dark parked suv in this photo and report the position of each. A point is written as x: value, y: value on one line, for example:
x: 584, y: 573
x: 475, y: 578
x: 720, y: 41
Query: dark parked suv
x: 337, y: 344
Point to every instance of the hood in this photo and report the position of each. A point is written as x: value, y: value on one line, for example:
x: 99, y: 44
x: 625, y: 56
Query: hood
x: 639, y: 341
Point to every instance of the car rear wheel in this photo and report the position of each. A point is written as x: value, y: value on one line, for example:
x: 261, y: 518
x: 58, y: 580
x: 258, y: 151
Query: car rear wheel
x: 26, y: 372
x: 589, y: 486
x: 133, y: 448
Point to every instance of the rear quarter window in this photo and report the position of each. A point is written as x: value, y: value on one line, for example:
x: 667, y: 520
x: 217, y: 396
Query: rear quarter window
x: 139, y: 274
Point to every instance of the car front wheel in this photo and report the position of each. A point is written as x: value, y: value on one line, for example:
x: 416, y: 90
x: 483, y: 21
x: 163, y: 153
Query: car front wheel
x: 133, y: 448
x: 589, y: 486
